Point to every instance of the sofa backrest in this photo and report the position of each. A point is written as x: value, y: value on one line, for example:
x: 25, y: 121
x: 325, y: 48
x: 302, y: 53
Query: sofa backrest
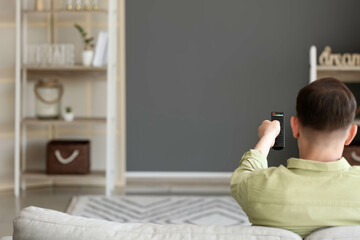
x: 42, y: 224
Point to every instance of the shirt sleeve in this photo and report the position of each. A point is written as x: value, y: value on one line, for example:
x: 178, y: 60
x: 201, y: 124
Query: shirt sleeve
x: 251, y: 161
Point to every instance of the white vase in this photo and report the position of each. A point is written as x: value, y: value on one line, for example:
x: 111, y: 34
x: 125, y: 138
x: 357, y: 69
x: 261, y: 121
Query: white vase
x: 87, y: 57
x: 68, y: 117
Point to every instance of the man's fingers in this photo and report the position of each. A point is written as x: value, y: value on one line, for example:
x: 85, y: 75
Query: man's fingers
x: 276, y: 121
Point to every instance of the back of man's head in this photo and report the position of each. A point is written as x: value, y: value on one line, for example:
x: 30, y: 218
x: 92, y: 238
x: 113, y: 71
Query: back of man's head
x: 326, y: 105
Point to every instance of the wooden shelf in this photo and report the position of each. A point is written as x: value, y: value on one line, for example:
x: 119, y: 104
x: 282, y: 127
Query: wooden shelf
x: 74, y: 72
x: 93, y: 178
x: 79, y: 120
x: 61, y: 11
x: 338, y: 68
x: 36, y: 12
x: 62, y: 68
x: 81, y: 11
x: 343, y: 73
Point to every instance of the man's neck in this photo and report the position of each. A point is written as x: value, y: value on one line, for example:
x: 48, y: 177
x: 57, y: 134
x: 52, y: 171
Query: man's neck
x: 320, y: 151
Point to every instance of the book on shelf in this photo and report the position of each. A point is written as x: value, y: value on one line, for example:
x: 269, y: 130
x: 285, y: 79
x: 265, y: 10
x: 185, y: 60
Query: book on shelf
x: 100, y: 57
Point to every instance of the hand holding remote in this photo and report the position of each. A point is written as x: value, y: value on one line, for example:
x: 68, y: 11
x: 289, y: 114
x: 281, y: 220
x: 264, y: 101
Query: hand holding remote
x: 280, y: 139
x: 267, y: 133
x: 269, y: 128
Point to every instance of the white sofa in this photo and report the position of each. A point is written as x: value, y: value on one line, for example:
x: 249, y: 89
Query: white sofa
x: 42, y: 224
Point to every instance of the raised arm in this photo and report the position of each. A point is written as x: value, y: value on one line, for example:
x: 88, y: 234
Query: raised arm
x: 253, y: 160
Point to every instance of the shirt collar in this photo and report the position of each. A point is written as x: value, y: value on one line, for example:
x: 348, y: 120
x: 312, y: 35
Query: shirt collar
x: 340, y: 164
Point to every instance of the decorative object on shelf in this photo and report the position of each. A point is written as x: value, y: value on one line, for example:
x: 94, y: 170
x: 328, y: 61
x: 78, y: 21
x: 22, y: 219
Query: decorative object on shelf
x: 69, y: 54
x: 68, y: 157
x: 48, y: 99
x: 69, y: 5
x: 87, y: 5
x: 50, y: 54
x: 87, y: 56
x: 39, y: 5
x: 42, y: 54
x: 88, y: 52
x: 100, y: 57
x: 326, y: 58
x: 78, y: 5
x: 69, y: 114
x: 95, y: 5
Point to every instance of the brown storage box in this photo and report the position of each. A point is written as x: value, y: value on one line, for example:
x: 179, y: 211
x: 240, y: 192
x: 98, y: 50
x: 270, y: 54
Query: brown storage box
x: 352, y: 154
x: 68, y: 157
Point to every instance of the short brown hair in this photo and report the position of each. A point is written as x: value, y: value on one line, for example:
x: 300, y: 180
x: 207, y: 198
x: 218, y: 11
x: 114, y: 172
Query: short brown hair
x: 326, y: 104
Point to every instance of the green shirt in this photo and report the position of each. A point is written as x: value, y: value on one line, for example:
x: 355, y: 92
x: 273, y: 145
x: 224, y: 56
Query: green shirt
x: 303, y: 197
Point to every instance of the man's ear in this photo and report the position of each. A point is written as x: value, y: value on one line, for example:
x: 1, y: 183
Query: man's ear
x: 351, y: 134
x: 294, y: 122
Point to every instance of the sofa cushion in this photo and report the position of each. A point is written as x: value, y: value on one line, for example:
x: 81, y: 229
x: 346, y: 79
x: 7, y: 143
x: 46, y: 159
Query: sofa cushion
x: 43, y: 224
x: 336, y: 233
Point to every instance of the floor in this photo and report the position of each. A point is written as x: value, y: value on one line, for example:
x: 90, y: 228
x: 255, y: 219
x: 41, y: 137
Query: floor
x: 58, y: 198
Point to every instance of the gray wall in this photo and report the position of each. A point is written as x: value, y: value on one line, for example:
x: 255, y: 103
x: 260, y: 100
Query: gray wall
x: 203, y: 74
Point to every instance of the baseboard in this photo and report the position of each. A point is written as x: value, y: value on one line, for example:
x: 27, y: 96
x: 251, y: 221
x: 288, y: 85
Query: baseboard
x: 178, y: 177
x: 146, y: 178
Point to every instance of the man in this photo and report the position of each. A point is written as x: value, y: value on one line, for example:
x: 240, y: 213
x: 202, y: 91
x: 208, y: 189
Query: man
x: 319, y: 189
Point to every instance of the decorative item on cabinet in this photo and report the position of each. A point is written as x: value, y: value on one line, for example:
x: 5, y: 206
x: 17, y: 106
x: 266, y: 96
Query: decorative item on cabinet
x: 69, y: 5
x: 87, y: 5
x: 50, y: 54
x: 101, y: 50
x: 48, y: 98
x: 68, y: 157
x: 69, y: 114
x: 326, y: 58
x: 95, y: 5
x: 88, y: 53
x: 78, y: 5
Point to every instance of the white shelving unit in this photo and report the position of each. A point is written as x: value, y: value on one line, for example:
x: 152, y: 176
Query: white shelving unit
x: 26, y: 73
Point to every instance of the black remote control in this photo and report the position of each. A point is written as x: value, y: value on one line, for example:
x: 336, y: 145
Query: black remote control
x: 280, y: 139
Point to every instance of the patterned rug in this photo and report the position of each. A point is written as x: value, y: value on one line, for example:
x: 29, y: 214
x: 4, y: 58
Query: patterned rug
x: 197, y: 210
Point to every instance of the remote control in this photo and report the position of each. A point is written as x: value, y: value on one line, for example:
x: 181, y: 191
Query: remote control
x: 280, y: 139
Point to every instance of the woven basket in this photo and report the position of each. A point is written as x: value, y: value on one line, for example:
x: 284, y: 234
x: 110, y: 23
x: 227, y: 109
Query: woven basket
x: 68, y: 157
